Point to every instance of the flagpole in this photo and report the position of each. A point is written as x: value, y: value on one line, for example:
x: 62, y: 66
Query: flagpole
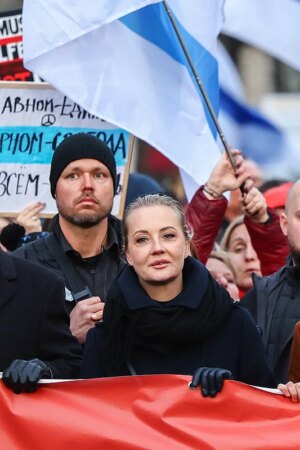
x: 200, y: 85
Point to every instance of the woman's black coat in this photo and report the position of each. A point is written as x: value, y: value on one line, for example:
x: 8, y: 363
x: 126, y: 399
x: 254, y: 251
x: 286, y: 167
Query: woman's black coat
x: 235, y: 344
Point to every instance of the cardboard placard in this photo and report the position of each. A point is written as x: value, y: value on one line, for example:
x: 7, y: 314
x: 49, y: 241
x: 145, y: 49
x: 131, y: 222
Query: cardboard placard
x: 35, y: 118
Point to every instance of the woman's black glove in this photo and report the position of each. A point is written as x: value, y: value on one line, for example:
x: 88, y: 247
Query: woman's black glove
x: 211, y: 380
x: 23, y: 376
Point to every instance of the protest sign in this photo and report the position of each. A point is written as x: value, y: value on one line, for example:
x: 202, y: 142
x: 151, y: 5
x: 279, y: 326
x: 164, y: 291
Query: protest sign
x: 35, y: 118
x: 11, y: 49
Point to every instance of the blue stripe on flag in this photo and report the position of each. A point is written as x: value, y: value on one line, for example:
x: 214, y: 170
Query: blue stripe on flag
x: 243, y: 114
x: 260, y: 140
x: 144, y: 22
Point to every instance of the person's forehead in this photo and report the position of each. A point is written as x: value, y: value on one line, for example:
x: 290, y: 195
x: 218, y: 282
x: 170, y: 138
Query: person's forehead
x: 85, y: 163
x: 240, y: 232
x: 154, y: 216
x: 216, y: 264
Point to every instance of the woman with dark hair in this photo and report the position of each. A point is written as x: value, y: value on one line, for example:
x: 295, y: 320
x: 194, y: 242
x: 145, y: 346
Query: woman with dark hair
x: 166, y: 314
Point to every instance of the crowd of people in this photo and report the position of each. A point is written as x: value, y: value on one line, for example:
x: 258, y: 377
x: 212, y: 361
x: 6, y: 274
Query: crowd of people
x: 205, y: 289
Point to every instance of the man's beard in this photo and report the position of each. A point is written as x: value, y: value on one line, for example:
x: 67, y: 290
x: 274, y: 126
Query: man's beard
x: 83, y: 220
x: 295, y: 252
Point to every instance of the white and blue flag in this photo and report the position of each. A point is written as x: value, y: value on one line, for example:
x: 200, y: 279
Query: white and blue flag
x: 260, y: 139
x: 271, y: 25
x: 130, y: 69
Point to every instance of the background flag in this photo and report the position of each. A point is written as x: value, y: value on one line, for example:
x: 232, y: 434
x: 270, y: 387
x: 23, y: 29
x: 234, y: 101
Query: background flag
x: 271, y: 25
x: 250, y: 130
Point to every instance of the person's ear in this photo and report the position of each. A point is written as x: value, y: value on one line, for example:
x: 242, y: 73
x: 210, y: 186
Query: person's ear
x: 187, y: 251
x: 283, y: 223
x: 128, y: 257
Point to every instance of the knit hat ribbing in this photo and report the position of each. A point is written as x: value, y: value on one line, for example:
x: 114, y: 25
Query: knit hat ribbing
x: 80, y: 146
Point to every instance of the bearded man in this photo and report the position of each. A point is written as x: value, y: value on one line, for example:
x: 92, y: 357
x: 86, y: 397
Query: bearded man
x: 86, y: 243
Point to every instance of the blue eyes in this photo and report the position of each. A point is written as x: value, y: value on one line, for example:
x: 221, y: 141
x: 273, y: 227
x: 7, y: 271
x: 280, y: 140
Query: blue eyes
x: 75, y: 176
x: 144, y: 239
x: 169, y: 236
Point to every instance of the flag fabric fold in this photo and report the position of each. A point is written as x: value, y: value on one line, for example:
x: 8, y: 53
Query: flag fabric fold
x: 271, y: 25
x: 132, y: 72
x: 57, y: 22
x: 147, y: 412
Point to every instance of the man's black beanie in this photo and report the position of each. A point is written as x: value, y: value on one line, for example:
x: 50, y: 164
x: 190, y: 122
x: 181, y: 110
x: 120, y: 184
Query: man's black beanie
x: 80, y: 146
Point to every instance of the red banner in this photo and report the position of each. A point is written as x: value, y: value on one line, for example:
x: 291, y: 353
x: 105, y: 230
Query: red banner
x: 146, y: 412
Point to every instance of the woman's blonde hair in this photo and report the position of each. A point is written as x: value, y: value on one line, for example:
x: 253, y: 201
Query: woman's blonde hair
x: 222, y: 255
x: 224, y: 244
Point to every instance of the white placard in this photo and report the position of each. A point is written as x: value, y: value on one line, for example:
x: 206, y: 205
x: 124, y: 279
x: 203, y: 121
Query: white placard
x: 35, y: 118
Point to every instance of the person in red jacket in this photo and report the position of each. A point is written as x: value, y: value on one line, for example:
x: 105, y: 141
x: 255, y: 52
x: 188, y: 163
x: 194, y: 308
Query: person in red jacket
x: 207, y: 208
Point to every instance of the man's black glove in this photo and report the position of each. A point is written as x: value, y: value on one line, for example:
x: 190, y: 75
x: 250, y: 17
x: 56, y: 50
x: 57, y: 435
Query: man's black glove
x: 23, y: 376
x: 211, y: 380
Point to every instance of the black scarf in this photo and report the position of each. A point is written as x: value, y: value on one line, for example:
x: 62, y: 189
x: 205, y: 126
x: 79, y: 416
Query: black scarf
x: 131, y: 318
